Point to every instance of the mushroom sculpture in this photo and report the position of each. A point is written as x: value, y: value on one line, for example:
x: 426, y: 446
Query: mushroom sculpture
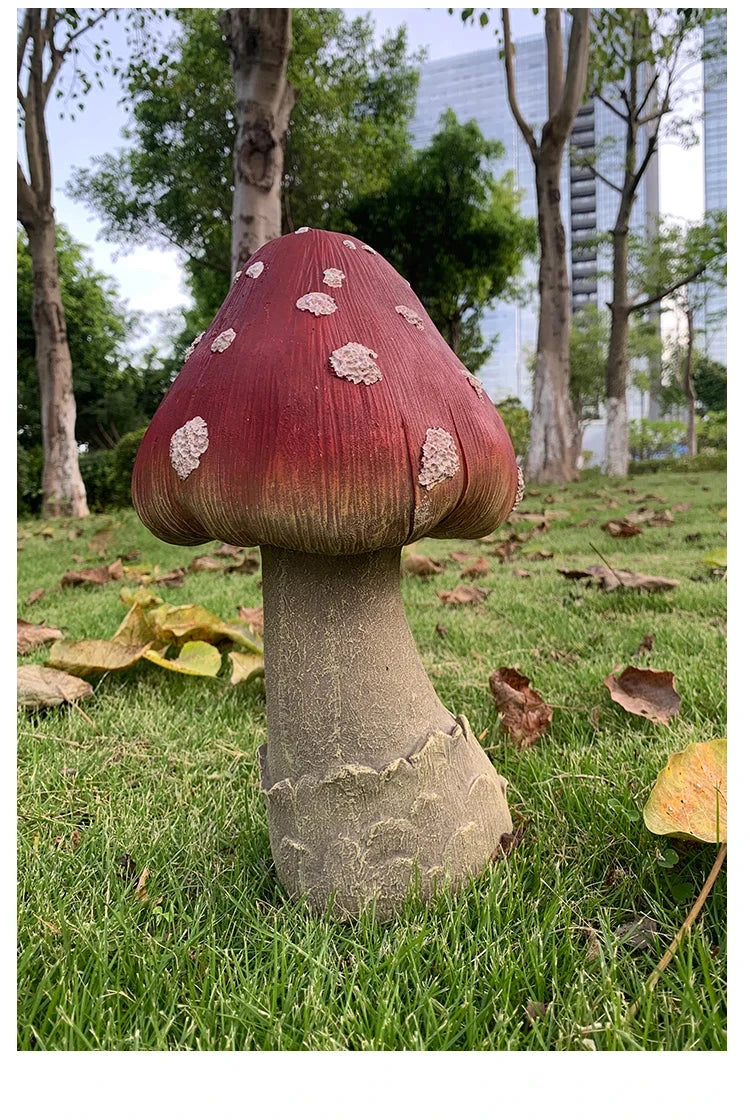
x: 323, y: 417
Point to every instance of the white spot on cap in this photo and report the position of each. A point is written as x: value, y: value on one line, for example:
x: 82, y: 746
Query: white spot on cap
x: 255, y: 270
x: 350, y: 244
x: 235, y: 278
x: 368, y: 249
x: 193, y: 345
x: 475, y: 383
x: 355, y: 362
x: 187, y: 445
x: 318, y: 303
x: 411, y: 317
x: 520, y: 486
x: 303, y: 229
x: 223, y: 341
x: 439, y: 458
x: 333, y: 277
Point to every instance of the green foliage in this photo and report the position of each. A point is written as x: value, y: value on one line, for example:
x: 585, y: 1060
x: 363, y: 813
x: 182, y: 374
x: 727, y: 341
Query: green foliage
x: 666, y: 260
x: 98, y: 474
x: 589, y: 340
x: 517, y: 420
x: 712, y: 432
x: 685, y: 464
x: 452, y: 229
x: 124, y: 461
x: 29, y: 463
x: 656, y: 439
x: 111, y: 395
x: 173, y: 184
x: 710, y: 379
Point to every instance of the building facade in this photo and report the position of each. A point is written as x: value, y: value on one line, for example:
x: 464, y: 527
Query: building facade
x: 713, y: 320
x: 473, y: 85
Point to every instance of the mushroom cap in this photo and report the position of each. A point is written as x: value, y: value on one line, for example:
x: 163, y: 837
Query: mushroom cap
x: 322, y: 411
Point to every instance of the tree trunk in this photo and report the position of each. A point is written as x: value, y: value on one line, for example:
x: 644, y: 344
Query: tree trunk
x: 552, y: 440
x: 369, y: 782
x: 690, y: 393
x: 616, y: 450
x: 259, y: 40
x: 455, y: 333
x: 63, y: 492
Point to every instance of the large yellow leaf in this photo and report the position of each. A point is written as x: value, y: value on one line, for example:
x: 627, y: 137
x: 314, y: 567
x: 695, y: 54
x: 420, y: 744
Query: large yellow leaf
x: 196, y: 659
x: 689, y: 798
x: 135, y: 629
x: 94, y: 655
x: 245, y: 666
x: 193, y: 622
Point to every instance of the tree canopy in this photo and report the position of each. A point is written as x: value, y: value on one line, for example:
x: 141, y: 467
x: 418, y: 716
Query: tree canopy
x: 112, y: 397
x: 452, y: 229
x: 172, y: 184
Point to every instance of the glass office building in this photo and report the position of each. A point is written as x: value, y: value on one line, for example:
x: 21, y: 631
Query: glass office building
x: 473, y: 85
x: 714, y: 317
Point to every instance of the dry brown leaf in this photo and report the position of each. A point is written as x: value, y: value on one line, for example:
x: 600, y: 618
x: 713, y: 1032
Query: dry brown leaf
x: 248, y: 565
x: 462, y: 596
x: 647, y: 644
x: 521, y: 573
x: 99, y: 576
x: 505, y: 551
x: 441, y: 630
x: 610, y: 578
x: 461, y: 557
x: 245, y: 667
x: 681, y: 507
x: 523, y: 713
x: 42, y: 687
x: 417, y: 565
x: 93, y: 656
x: 585, y: 524
x: 175, y: 578
x: 479, y: 568
x: 641, y: 934
x: 645, y: 692
x: 206, y: 564
x: 29, y: 635
x: 664, y: 517
x: 140, y: 888
x: 689, y: 798
x: 622, y: 528
x: 535, y: 1009
x: 35, y: 596
x: 541, y: 554
x: 228, y: 550
x: 101, y: 542
x: 253, y: 616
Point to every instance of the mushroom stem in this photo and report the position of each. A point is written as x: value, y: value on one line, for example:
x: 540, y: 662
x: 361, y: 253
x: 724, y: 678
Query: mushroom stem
x: 368, y: 778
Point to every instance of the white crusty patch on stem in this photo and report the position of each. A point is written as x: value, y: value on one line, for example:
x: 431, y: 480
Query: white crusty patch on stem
x: 187, y: 445
x: 411, y: 317
x: 223, y: 341
x: 355, y: 363
x: 193, y: 345
x: 317, y: 303
x: 439, y: 458
x: 333, y: 277
x: 520, y: 486
x: 255, y: 270
x: 475, y: 383
x: 349, y: 244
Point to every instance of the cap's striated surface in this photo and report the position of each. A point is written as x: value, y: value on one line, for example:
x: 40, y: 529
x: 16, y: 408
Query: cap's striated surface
x: 307, y: 456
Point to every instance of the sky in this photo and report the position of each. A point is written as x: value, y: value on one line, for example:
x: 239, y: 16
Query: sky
x: 150, y: 280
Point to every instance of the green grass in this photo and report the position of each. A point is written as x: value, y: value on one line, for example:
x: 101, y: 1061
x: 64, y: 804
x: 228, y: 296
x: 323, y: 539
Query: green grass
x: 168, y: 777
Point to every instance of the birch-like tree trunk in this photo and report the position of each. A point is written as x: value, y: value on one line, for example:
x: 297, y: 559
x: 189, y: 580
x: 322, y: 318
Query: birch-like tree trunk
x: 689, y: 383
x: 552, y: 441
x: 259, y: 40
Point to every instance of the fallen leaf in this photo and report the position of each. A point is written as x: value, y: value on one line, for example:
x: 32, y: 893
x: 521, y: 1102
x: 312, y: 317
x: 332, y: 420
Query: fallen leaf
x: 585, y: 524
x: 29, y: 635
x: 127, y: 868
x: 253, y: 616
x: 647, y: 644
x: 523, y: 713
x: 196, y: 659
x: 248, y: 565
x: 462, y: 596
x: 132, y: 554
x: 441, y: 631
x: 664, y: 517
x: 645, y: 692
x: 245, y: 667
x: 461, y: 557
x: 46, y: 533
x: 681, y: 507
x: 505, y: 551
x: 533, y: 493
x: 521, y: 573
x: 723, y: 513
x: 42, y: 687
x: 542, y: 554
x: 101, y: 541
x: 417, y: 565
x: 535, y: 1009
x: 641, y: 934
x: 479, y: 568
x: 228, y: 550
x: 509, y: 841
x: 206, y: 564
x: 99, y: 576
x: 192, y: 621
x: 93, y: 656
x: 141, y: 595
x: 623, y: 528
x: 136, y: 629
x: 691, y: 537
x: 689, y: 797
x: 610, y: 578
x: 593, y: 945
x: 35, y: 596
x: 175, y: 578
x: 716, y: 559
x: 140, y: 888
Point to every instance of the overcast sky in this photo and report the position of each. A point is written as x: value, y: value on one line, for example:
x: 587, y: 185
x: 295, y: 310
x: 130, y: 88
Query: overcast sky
x: 151, y: 280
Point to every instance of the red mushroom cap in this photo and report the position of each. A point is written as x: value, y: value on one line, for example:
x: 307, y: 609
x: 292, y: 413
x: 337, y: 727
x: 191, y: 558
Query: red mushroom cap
x: 322, y: 411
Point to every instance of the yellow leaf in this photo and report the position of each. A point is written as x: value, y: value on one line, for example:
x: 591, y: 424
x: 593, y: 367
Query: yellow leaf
x: 191, y: 621
x: 689, y: 798
x: 93, y: 655
x: 196, y: 659
x: 245, y: 666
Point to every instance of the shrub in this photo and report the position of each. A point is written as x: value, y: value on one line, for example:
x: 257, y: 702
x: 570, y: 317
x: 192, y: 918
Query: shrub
x: 98, y: 474
x: 124, y: 460
x: 656, y: 439
x: 686, y: 464
x: 712, y: 431
x: 517, y: 420
x: 29, y: 462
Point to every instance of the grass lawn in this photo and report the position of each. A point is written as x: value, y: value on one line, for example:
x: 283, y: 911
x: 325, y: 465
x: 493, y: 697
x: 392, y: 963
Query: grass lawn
x: 166, y: 779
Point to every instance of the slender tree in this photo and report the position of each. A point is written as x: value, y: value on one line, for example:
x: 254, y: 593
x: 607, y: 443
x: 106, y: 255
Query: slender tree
x: 553, y: 441
x: 259, y: 41
x: 640, y: 62
x: 46, y: 39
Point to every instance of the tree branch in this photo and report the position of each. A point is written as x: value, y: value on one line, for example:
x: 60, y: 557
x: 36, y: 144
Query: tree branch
x: 26, y: 203
x: 575, y: 76
x: 553, y: 35
x: 59, y: 53
x: 24, y: 35
x: 649, y: 301
x: 510, y: 78
x: 612, y: 108
x: 598, y: 175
